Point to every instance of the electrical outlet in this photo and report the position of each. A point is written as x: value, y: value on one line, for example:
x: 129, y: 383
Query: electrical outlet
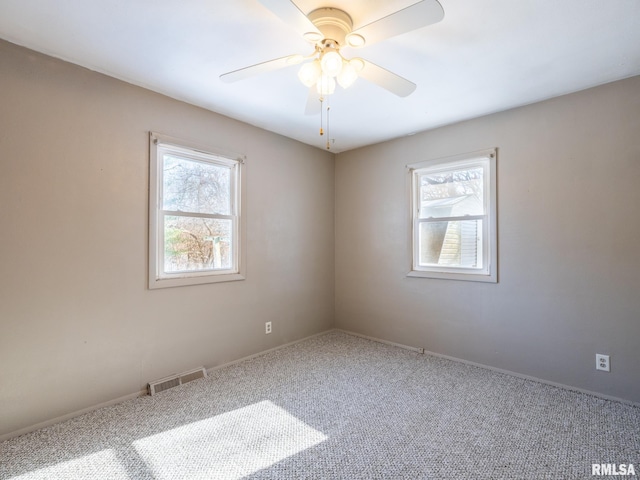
x: 267, y: 328
x: 602, y: 362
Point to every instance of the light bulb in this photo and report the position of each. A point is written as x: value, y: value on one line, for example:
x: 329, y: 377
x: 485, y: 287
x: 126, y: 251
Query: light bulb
x: 326, y: 85
x: 331, y: 62
x: 310, y: 73
x: 347, y: 76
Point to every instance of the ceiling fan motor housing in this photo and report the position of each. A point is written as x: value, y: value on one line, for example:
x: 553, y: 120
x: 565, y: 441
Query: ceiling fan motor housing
x: 334, y: 24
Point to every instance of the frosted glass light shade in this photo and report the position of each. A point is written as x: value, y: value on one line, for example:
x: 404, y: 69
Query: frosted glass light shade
x: 331, y: 63
x: 309, y: 73
x: 347, y: 76
x: 357, y: 63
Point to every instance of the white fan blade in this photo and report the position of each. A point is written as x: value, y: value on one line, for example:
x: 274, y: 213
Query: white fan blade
x: 263, y: 67
x: 290, y: 14
x: 386, y: 79
x: 314, y: 105
x: 418, y: 15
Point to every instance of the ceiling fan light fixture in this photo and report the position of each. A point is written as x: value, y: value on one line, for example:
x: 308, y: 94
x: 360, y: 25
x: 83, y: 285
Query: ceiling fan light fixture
x: 347, y: 76
x: 310, y: 73
x: 357, y: 63
x: 331, y: 62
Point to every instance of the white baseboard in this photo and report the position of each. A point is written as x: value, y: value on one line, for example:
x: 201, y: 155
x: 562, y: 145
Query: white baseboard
x: 69, y: 416
x: 495, y: 369
x: 130, y: 396
x: 419, y: 350
x: 379, y: 340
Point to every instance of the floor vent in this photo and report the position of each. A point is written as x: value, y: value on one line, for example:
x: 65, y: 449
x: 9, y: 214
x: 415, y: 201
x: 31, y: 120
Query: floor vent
x: 174, y: 380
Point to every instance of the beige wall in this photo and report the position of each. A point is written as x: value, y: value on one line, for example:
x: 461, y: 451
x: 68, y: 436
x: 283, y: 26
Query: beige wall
x: 569, y: 243
x: 78, y: 325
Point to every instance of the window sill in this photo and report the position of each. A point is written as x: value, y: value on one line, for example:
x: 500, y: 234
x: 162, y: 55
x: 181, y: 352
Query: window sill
x: 155, y: 283
x: 469, y: 277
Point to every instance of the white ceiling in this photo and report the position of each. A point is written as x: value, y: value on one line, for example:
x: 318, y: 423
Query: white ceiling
x: 485, y: 56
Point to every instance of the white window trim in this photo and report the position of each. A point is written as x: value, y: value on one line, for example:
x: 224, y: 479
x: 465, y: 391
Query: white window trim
x: 157, y: 277
x: 489, y: 272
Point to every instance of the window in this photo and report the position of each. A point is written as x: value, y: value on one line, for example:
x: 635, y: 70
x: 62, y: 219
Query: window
x: 195, y: 225
x: 453, y: 210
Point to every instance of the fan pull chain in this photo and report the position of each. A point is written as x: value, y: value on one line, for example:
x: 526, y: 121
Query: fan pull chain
x: 321, y: 107
x: 328, y: 134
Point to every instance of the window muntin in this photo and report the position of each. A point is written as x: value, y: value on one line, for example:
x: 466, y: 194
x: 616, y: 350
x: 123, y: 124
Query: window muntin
x: 453, y: 218
x: 195, y: 221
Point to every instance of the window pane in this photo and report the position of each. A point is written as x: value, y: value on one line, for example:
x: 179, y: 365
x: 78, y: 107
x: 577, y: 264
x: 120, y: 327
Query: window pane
x: 450, y: 244
x: 193, y: 244
x: 452, y: 193
x: 191, y: 186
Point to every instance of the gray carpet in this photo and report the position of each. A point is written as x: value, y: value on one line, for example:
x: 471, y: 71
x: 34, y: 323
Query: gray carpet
x: 338, y: 406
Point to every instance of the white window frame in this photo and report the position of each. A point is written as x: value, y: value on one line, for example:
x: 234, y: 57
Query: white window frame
x: 158, y: 278
x: 489, y: 271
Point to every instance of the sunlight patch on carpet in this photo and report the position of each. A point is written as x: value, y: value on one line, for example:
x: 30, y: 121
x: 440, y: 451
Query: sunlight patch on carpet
x: 230, y: 446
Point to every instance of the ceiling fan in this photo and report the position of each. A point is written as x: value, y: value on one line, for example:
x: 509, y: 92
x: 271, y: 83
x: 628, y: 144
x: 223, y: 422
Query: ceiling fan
x: 330, y: 29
